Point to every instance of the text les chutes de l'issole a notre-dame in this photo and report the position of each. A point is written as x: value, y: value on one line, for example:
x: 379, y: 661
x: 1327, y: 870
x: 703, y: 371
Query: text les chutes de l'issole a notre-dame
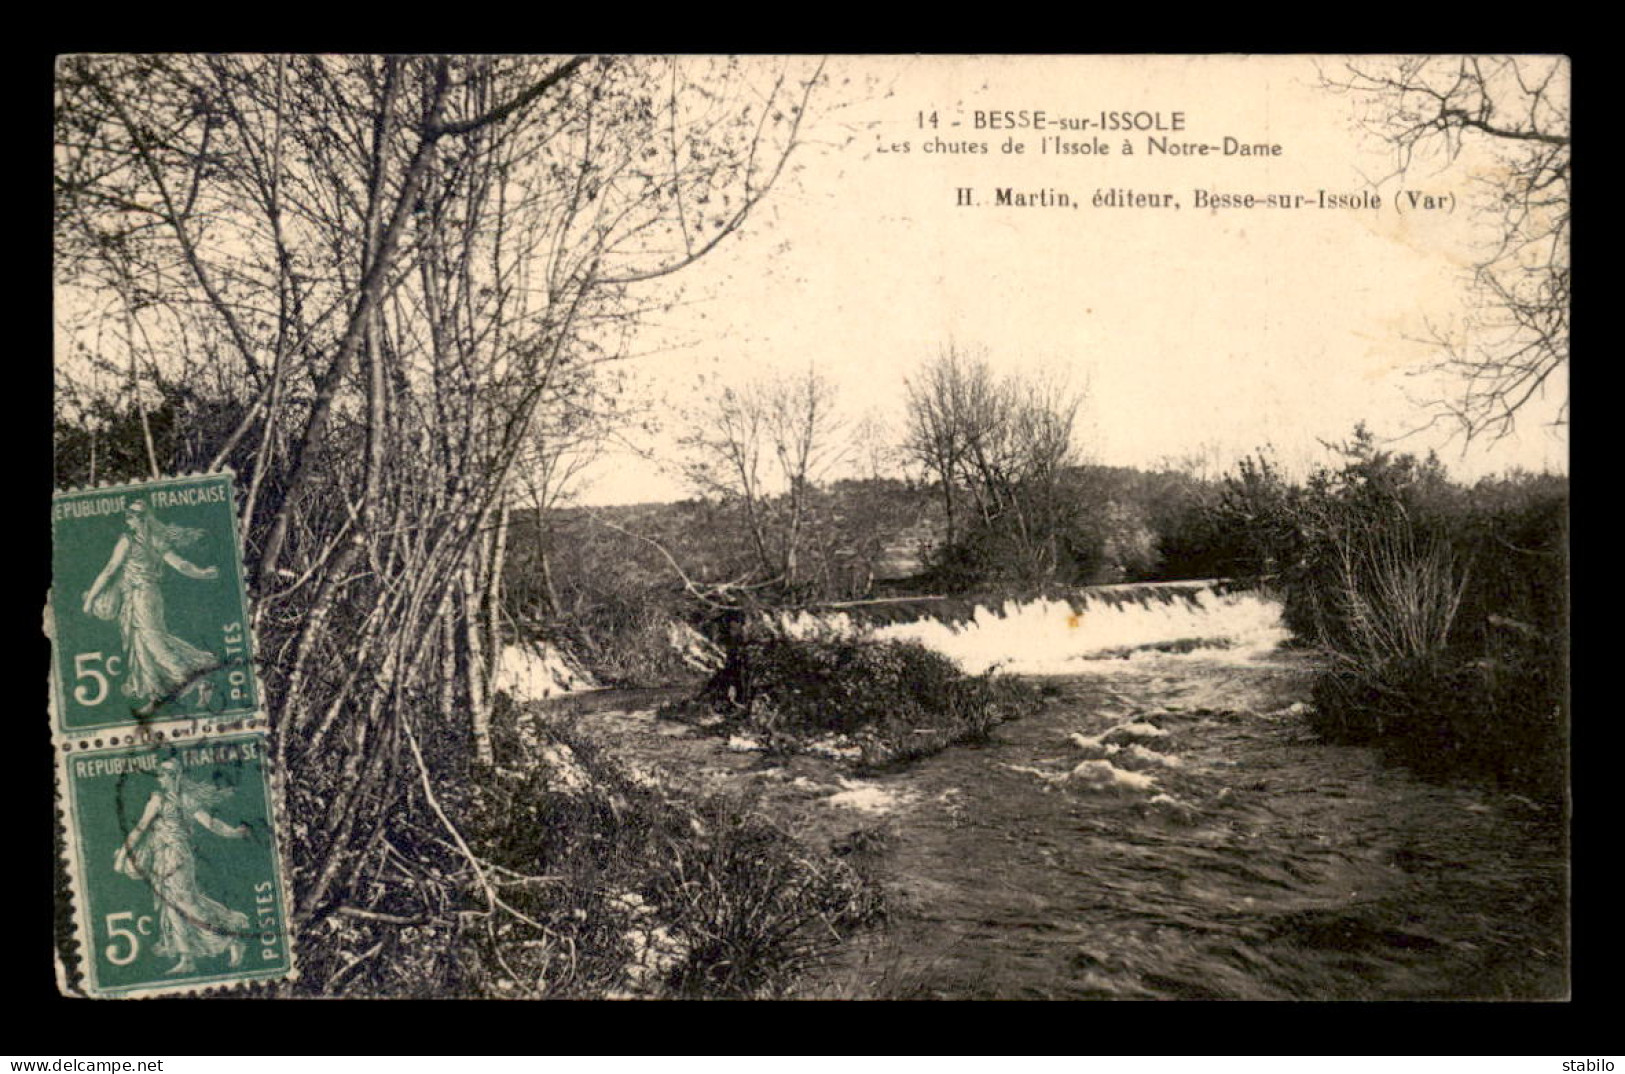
x: 1161, y: 135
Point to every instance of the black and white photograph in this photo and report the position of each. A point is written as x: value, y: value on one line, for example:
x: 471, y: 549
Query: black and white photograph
x: 797, y: 527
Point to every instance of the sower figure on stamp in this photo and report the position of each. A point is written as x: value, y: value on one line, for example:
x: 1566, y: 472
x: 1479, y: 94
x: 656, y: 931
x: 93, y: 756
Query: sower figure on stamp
x: 156, y: 661
x: 158, y: 852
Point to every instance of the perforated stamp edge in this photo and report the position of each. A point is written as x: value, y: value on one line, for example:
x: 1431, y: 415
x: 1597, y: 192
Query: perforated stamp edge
x: 71, y: 938
x: 256, y: 697
x: 75, y: 960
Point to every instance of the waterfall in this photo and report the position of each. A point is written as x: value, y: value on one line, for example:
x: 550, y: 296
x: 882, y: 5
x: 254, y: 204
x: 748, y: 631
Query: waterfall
x: 533, y: 670
x: 1084, y: 630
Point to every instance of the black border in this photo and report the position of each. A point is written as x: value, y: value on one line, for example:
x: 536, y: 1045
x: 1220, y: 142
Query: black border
x: 1128, y: 1028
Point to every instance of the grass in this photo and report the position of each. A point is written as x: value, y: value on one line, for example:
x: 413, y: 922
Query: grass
x: 1444, y: 692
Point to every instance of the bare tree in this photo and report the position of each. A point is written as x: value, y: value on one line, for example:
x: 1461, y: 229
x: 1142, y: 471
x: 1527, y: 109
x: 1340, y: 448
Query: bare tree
x: 764, y: 446
x: 875, y: 447
x: 998, y: 445
x: 948, y: 404
x: 1516, y: 110
x: 384, y: 275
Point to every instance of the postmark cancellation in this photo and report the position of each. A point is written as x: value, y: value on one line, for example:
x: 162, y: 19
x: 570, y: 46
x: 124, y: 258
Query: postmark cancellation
x: 169, y: 807
x: 148, y: 605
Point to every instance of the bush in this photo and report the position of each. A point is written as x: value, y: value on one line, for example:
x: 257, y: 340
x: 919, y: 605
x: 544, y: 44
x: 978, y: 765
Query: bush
x: 1442, y: 609
x: 611, y: 886
x: 661, y: 895
x: 1382, y: 613
x: 1483, y: 719
x: 753, y: 910
x: 1428, y: 665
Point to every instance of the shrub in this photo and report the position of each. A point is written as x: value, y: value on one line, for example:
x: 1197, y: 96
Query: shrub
x: 1480, y: 719
x: 1442, y: 609
x: 1384, y: 618
x: 752, y: 910
x: 893, y: 700
x: 610, y: 886
x: 1392, y: 599
x: 657, y: 894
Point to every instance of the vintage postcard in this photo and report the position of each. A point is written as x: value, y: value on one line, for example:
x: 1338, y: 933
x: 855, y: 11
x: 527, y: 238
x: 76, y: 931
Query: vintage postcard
x: 857, y: 527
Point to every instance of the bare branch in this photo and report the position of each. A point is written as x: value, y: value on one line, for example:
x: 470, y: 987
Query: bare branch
x: 1515, y: 338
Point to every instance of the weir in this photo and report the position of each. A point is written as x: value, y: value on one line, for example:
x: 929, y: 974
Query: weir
x: 1066, y: 632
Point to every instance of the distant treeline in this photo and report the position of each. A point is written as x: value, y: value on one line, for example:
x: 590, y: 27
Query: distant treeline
x: 1442, y: 607
x: 878, y: 536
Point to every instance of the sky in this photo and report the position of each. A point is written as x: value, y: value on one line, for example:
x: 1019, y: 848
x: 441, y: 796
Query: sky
x: 1195, y: 331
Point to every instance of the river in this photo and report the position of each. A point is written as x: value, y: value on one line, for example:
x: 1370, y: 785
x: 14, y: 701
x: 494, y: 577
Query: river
x: 1258, y: 863
x: 1169, y: 827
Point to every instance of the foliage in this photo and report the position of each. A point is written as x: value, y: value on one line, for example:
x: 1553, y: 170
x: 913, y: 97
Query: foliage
x: 1441, y: 609
x: 106, y: 443
x: 891, y: 700
x: 754, y: 909
x: 368, y: 284
x: 1116, y: 524
x: 1491, y: 697
x: 597, y: 580
x: 610, y: 885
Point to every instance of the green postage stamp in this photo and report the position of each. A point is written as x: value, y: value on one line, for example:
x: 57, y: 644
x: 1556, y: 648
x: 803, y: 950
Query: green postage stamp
x: 148, y: 606
x: 174, y: 862
x: 170, y: 807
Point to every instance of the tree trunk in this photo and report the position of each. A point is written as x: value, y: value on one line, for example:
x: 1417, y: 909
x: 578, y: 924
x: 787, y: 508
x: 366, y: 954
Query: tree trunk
x: 544, y: 556
x: 370, y: 291
x: 483, y: 752
x: 479, y: 702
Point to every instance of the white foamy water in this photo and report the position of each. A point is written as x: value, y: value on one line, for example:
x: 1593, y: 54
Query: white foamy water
x: 1135, y: 729
x: 1054, y: 637
x: 1105, y: 776
x: 694, y: 648
x: 867, y: 797
x: 531, y: 672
